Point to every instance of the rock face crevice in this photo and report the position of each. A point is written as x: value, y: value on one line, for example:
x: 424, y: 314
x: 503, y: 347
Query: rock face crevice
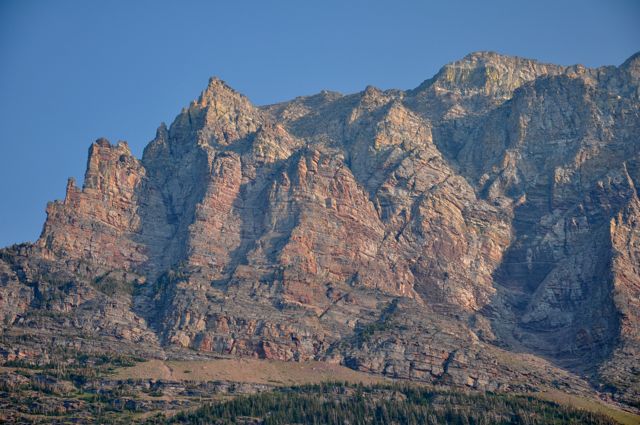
x: 478, y: 230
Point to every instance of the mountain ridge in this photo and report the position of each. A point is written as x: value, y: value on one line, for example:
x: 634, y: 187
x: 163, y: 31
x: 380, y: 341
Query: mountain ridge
x: 466, y: 232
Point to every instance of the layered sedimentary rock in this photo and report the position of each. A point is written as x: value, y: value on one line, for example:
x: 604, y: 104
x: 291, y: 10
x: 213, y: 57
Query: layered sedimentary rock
x: 478, y: 230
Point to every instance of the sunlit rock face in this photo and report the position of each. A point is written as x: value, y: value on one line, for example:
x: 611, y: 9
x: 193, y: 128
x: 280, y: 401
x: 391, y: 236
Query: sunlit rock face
x: 479, y: 230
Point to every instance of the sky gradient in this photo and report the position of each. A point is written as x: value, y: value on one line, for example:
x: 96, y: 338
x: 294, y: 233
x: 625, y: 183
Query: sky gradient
x: 73, y: 71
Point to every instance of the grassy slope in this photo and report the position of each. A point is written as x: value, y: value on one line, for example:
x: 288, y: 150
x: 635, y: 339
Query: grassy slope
x: 247, y: 370
x: 584, y: 403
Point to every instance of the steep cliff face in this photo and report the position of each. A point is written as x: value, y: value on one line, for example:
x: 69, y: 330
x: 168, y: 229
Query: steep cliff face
x: 478, y: 230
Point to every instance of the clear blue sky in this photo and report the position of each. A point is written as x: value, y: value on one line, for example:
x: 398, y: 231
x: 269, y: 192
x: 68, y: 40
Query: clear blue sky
x: 73, y: 71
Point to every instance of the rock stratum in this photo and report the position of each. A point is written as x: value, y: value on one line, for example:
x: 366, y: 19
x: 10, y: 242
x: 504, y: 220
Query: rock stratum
x: 480, y: 230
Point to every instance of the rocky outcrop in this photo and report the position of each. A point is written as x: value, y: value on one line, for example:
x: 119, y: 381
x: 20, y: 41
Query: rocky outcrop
x: 97, y: 223
x: 478, y: 230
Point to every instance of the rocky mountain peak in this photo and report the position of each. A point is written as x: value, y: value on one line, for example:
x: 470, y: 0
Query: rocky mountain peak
x: 162, y: 129
x: 219, y: 94
x: 633, y: 62
x: 632, y: 66
x: 487, y: 74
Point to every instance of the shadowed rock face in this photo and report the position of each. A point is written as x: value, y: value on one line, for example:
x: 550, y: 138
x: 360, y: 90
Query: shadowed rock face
x: 480, y: 230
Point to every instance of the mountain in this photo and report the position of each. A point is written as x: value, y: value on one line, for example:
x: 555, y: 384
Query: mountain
x: 481, y: 230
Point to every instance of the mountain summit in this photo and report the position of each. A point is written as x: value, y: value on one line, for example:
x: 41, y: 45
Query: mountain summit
x: 481, y: 230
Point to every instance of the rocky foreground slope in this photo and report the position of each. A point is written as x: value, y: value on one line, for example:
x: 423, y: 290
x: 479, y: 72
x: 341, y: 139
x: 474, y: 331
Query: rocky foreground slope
x: 482, y: 230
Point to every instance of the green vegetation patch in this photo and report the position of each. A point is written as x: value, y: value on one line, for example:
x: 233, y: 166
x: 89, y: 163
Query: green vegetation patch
x: 338, y: 403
